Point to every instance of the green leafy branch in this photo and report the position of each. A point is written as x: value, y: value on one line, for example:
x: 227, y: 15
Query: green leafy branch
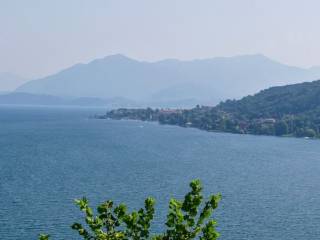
x: 185, y: 221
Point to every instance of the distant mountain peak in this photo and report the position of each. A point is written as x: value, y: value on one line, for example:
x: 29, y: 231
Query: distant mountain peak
x: 121, y: 57
x: 118, y: 57
x: 219, y: 78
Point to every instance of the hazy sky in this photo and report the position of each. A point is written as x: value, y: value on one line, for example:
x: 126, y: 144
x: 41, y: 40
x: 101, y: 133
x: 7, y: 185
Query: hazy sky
x: 39, y: 37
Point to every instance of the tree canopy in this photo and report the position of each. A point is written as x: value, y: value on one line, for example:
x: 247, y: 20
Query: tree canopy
x: 186, y: 220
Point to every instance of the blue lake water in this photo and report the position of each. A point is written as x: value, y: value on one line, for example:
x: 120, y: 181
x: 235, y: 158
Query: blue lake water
x: 50, y: 156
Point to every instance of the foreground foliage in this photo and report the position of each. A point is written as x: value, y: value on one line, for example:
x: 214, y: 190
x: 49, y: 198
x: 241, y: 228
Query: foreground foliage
x: 186, y: 220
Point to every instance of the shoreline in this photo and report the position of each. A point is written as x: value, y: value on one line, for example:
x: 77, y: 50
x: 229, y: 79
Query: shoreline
x: 103, y: 117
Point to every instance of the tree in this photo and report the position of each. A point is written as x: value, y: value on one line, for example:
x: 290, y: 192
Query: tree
x: 281, y: 128
x: 185, y: 221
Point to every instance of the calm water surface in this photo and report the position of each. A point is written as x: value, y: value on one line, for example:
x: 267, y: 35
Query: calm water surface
x: 50, y: 156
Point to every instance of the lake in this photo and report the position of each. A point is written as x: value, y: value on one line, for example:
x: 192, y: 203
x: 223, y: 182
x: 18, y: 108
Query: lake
x: 50, y: 156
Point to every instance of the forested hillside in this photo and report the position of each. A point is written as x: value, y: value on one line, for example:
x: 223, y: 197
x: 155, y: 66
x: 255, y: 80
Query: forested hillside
x: 292, y: 110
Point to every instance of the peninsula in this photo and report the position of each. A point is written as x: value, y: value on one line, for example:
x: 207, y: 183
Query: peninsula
x: 292, y: 110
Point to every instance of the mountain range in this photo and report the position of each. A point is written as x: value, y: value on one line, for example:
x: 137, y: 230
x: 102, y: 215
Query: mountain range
x: 207, y: 81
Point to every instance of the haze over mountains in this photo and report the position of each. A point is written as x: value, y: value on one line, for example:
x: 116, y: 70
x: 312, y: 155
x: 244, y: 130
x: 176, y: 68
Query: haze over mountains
x: 9, y: 81
x: 205, y: 81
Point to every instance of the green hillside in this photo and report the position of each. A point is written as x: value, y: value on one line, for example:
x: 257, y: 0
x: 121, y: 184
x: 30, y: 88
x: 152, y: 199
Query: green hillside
x: 292, y: 110
x: 277, y: 101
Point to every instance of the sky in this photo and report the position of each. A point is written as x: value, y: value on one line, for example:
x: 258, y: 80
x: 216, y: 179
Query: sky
x: 41, y: 37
